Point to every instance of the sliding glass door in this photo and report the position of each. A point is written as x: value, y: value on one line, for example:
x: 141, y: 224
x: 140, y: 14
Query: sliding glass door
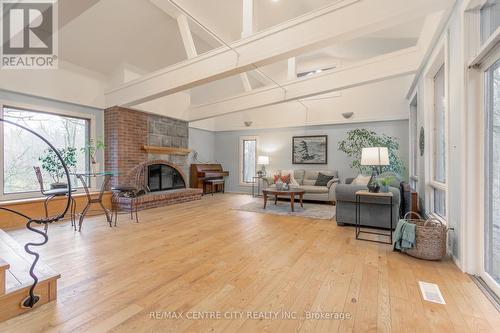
x: 491, y: 257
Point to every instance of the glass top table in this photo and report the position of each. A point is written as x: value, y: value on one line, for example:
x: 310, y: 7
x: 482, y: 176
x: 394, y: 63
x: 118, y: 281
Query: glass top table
x: 96, y: 200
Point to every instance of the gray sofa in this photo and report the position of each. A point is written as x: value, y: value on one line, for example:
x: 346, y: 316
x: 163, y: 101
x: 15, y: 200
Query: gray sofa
x: 307, y: 179
x: 374, y: 211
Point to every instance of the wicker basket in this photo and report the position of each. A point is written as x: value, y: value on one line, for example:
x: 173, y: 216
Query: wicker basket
x: 430, y: 238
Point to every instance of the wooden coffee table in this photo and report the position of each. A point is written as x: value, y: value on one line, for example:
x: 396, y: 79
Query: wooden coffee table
x: 291, y: 193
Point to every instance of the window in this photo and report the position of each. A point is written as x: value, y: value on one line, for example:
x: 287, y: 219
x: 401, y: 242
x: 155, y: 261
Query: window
x: 248, y: 159
x: 490, y: 19
x: 439, y: 146
x: 21, y: 150
x: 492, y: 181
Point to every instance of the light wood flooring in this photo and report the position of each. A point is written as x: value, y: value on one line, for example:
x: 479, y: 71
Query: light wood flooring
x: 205, y: 256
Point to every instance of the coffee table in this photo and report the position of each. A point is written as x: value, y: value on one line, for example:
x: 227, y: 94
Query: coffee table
x: 291, y: 193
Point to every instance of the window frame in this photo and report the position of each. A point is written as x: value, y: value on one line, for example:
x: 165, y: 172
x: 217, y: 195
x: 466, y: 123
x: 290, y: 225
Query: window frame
x: 414, y: 141
x: 242, y: 139
x: 40, y: 109
x: 440, y: 60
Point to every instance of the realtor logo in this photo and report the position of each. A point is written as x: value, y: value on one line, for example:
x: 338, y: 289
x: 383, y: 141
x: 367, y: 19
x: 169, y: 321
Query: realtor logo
x: 29, y: 34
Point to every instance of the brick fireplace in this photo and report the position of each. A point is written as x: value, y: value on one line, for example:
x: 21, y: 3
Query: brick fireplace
x: 127, y: 132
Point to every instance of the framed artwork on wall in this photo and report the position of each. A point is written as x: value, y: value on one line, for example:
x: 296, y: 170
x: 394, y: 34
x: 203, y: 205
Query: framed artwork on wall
x: 311, y: 149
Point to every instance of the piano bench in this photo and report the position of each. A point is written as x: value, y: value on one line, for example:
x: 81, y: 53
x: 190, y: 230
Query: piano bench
x: 215, y: 185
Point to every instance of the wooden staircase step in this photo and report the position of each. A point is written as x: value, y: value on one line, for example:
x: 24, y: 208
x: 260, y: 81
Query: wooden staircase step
x: 4, y: 266
x: 16, y: 282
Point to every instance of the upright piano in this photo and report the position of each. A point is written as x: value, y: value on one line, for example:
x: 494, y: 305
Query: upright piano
x: 201, y: 172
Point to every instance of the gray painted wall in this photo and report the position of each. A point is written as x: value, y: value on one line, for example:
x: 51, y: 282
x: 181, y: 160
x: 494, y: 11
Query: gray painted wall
x: 277, y: 143
x: 202, y: 142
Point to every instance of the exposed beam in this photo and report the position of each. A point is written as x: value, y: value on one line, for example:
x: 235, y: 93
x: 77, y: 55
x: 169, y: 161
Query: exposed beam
x: 187, y: 37
x: 292, y: 69
x: 247, y: 18
x: 246, y: 82
x: 376, y: 69
x: 343, y: 20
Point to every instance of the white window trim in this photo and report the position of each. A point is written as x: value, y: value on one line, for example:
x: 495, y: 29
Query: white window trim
x: 240, y: 162
x: 38, y: 108
x: 439, y: 59
x: 414, y: 149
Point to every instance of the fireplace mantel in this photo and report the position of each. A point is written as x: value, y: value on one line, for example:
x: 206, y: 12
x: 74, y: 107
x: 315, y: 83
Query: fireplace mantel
x: 166, y: 150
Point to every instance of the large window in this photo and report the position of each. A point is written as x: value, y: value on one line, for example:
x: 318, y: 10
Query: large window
x: 22, y: 150
x: 248, y: 159
x: 438, y: 182
x: 492, y: 181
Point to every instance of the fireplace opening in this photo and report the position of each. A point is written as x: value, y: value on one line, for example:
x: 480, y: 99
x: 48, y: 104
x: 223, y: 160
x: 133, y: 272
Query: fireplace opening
x: 162, y: 177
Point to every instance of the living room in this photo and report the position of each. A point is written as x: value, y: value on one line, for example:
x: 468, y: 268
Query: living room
x: 249, y: 165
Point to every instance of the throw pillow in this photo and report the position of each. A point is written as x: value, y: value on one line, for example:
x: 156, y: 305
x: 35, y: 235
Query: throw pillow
x: 293, y: 182
x: 361, y: 180
x: 322, y: 180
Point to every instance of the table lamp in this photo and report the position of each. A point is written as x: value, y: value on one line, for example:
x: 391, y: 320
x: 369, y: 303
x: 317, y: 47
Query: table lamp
x: 263, y: 160
x: 374, y: 157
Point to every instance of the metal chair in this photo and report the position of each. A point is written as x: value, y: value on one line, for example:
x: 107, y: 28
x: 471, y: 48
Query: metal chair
x: 57, y: 192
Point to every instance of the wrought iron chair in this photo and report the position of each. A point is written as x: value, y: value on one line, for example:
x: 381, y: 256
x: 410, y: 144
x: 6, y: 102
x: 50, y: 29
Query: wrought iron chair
x: 32, y: 299
x: 51, y: 194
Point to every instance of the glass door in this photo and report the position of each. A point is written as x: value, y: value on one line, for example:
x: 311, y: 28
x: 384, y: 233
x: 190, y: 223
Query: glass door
x: 491, y: 257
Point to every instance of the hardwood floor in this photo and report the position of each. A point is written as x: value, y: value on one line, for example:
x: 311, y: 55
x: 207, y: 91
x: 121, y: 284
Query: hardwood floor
x: 205, y: 256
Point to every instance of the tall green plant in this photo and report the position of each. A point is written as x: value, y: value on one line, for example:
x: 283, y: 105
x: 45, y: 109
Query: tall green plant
x: 360, y: 138
x: 52, y: 164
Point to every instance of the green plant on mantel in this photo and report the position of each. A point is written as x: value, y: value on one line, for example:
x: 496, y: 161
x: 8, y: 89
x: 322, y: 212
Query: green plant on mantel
x: 360, y: 138
x: 52, y: 164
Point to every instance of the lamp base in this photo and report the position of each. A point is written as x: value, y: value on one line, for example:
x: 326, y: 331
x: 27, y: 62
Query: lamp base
x: 373, y: 185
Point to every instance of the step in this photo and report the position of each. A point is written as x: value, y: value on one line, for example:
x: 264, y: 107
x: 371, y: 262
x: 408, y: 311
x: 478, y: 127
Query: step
x: 4, y: 266
x: 18, y: 281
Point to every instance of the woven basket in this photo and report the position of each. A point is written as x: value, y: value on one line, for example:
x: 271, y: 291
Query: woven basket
x: 430, y: 238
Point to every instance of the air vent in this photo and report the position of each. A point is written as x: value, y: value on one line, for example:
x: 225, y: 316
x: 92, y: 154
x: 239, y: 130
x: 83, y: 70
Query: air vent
x: 431, y: 293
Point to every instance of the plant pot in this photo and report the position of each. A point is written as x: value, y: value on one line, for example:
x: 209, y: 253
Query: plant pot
x: 54, y: 186
x: 384, y: 188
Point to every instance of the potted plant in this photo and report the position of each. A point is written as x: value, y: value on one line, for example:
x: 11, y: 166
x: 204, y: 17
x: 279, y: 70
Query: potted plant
x: 53, y: 166
x: 91, y: 148
x: 385, y: 182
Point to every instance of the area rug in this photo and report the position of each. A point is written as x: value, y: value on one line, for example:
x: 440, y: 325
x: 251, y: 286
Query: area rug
x: 310, y: 210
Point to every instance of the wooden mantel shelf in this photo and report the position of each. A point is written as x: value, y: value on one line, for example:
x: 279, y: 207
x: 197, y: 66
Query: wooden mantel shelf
x: 166, y: 150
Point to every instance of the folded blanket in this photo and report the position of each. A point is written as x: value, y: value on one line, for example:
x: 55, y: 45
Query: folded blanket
x: 404, y: 236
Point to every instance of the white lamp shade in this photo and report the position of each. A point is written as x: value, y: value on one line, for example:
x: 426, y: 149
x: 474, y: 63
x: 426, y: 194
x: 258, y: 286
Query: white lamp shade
x: 375, y: 156
x: 263, y: 160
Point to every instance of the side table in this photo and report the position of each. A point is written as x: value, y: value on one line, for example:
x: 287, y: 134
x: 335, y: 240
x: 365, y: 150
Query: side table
x: 256, y: 180
x: 366, y: 194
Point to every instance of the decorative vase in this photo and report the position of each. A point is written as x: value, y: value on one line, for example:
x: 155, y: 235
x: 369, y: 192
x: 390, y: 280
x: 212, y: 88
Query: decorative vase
x: 279, y: 185
x: 285, y: 186
x: 384, y: 188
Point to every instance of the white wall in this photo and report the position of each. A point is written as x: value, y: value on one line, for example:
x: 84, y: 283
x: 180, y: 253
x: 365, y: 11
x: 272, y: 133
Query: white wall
x: 203, y: 142
x: 69, y: 83
x: 277, y: 143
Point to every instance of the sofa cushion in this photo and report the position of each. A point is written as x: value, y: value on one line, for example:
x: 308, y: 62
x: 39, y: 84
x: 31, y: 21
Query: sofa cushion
x: 322, y: 179
x: 299, y: 175
x: 361, y: 180
x: 310, y: 182
x: 314, y: 189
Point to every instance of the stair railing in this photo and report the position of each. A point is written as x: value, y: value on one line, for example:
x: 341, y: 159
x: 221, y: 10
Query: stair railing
x: 32, y: 299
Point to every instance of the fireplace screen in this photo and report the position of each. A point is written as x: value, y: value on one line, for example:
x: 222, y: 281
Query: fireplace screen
x: 162, y: 177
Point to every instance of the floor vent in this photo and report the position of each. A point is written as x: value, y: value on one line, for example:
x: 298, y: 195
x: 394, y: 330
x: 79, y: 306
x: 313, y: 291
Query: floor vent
x: 431, y: 293
x: 490, y: 294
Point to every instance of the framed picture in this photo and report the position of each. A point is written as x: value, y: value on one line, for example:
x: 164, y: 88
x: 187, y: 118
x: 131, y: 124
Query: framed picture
x: 310, y: 149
